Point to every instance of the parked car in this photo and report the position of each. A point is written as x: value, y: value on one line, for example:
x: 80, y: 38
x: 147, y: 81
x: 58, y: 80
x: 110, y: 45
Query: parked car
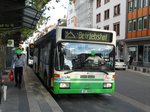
x: 120, y: 64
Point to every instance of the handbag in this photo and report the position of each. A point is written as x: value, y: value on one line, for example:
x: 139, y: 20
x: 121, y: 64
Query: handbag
x: 11, y: 75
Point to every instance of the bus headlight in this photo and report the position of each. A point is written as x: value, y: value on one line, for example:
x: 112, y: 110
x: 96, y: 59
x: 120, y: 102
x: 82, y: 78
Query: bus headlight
x: 107, y: 85
x: 64, y: 85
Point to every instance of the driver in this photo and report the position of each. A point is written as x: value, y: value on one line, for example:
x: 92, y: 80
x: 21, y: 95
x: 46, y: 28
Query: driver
x: 95, y: 59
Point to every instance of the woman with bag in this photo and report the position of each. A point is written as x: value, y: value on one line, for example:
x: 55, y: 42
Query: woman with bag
x: 11, y: 75
x: 18, y: 64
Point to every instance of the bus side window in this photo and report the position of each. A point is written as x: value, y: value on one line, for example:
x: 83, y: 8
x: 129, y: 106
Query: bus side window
x: 56, y: 59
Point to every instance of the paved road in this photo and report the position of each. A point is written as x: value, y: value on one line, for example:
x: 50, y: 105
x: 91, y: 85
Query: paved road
x: 136, y: 86
x: 132, y: 95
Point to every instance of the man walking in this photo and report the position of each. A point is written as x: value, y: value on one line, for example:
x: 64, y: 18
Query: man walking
x: 18, y: 64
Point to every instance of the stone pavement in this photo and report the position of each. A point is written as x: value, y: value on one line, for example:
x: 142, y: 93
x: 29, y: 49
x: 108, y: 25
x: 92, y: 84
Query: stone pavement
x: 32, y: 97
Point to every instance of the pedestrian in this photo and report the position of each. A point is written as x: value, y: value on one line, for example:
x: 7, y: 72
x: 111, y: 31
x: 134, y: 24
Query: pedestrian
x: 130, y: 60
x: 18, y: 64
x: 97, y: 60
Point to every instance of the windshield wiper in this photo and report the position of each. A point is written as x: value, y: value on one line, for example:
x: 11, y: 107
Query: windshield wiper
x: 69, y: 71
x: 104, y: 72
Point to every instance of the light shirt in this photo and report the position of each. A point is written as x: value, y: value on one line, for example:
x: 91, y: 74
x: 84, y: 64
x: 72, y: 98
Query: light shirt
x: 96, y: 59
x: 19, y: 62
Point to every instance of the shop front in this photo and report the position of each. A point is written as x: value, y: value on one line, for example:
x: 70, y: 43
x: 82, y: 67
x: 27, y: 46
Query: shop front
x: 139, y: 51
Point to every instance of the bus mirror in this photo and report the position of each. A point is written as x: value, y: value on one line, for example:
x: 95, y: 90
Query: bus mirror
x: 107, y: 59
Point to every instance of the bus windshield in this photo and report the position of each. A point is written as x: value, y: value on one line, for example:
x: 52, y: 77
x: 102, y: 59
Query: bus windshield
x: 85, y: 57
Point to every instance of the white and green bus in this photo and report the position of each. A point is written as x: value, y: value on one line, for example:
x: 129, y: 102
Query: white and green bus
x: 76, y: 60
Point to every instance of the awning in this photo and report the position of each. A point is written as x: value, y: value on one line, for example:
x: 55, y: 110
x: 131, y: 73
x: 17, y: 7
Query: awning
x: 137, y: 39
x: 16, y: 14
x: 30, y: 17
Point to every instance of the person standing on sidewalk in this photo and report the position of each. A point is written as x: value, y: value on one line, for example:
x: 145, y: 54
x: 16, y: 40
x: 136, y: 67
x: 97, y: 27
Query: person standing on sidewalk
x: 18, y: 64
x: 130, y: 60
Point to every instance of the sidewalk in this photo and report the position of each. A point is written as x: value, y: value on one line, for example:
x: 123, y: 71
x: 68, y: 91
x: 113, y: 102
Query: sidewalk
x: 32, y: 97
x: 140, y: 69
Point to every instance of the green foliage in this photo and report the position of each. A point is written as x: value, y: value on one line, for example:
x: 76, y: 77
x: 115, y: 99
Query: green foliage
x: 26, y: 33
x: 39, y: 4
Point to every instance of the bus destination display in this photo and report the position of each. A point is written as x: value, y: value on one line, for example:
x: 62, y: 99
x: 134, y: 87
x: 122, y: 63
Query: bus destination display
x: 72, y: 34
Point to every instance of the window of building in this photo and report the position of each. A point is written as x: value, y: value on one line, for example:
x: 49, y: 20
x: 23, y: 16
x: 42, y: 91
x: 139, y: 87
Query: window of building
x: 140, y: 3
x: 134, y: 24
x: 130, y: 25
x: 145, y: 22
x: 130, y: 6
x: 139, y: 23
x: 117, y: 10
x: 145, y: 3
x: 106, y: 16
x: 98, y: 17
x: 146, y: 53
x: 149, y: 20
x: 117, y: 28
x: 106, y: 1
x: 106, y: 27
x: 98, y: 3
x: 134, y: 4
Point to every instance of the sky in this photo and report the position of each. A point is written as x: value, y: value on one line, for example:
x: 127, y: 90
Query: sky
x: 57, y: 10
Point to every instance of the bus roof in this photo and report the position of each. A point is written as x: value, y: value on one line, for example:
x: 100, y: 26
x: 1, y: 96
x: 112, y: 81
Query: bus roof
x: 58, y: 33
x: 48, y: 36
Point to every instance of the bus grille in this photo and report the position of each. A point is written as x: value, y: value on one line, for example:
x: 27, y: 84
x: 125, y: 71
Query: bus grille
x: 87, y: 76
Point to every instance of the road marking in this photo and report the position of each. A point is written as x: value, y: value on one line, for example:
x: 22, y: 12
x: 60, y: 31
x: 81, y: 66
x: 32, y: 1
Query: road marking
x: 133, y: 102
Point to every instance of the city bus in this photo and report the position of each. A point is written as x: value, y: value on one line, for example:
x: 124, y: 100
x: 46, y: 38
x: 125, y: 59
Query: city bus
x: 76, y: 60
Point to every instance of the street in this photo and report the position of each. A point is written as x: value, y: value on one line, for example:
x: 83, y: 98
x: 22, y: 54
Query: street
x: 132, y: 95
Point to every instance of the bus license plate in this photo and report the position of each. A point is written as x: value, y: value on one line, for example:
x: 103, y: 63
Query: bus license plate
x: 83, y: 91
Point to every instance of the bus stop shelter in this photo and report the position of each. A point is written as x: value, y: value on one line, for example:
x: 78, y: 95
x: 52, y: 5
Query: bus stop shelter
x: 14, y: 15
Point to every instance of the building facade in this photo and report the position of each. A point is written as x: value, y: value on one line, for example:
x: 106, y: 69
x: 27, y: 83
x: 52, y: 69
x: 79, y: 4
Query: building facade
x: 71, y: 15
x: 138, y: 32
x: 102, y: 14
x: 80, y: 13
x: 111, y: 15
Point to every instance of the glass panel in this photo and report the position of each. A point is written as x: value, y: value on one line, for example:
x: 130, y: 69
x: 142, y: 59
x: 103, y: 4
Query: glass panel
x: 149, y: 20
x: 130, y: 6
x: 148, y: 53
x: 145, y: 22
x: 86, y: 56
x: 130, y: 26
x: 145, y: 53
x: 145, y: 3
x: 134, y: 4
x: 134, y: 25
x: 140, y: 3
x: 140, y: 23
